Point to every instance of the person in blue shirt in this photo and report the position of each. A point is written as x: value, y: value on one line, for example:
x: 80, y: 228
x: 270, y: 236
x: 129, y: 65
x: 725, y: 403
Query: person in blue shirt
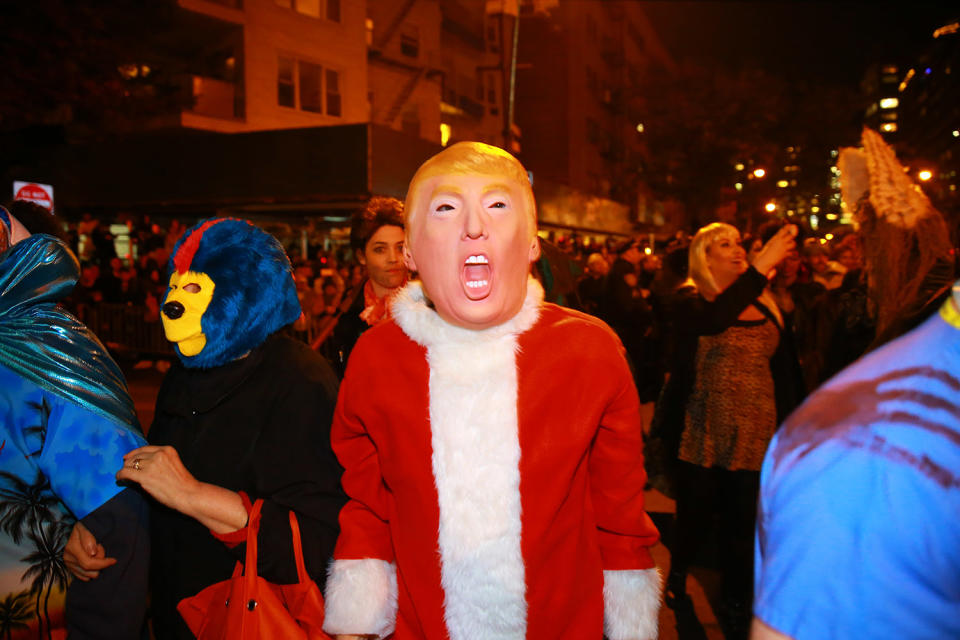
x: 858, y: 534
x: 66, y: 420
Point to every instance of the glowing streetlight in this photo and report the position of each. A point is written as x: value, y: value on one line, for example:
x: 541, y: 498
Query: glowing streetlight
x: 829, y: 236
x: 738, y: 166
x: 640, y: 127
x: 783, y: 184
x: 770, y: 207
x: 759, y: 173
x: 925, y: 175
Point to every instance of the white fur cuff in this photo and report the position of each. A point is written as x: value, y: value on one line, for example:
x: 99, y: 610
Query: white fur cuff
x: 361, y: 597
x: 631, y: 604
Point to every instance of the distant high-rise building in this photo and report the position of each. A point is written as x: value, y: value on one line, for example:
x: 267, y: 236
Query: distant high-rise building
x: 580, y: 68
x: 880, y: 89
x: 930, y: 121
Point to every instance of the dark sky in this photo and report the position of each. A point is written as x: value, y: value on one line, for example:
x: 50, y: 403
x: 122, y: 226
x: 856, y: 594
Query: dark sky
x: 835, y: 41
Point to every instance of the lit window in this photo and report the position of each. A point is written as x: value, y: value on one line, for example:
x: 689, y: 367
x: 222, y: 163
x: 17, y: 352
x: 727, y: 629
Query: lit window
x: 889, y: 103
x: 738, y: 166
x: 815, y: 209
x: 831, y: 216
x: 783, y: 184
x: 286, y: 91
x: 333, y: 93
x: 309, y: 8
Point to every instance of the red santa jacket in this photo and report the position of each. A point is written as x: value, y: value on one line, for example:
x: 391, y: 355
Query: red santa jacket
x: 496, y: 482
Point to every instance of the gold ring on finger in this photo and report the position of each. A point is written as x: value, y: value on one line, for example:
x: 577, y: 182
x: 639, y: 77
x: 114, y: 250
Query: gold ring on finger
x: 136, y: 464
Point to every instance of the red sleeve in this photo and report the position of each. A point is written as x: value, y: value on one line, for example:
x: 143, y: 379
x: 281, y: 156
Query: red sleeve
x: 617, y: 479
x: 233, y: 538
x: 364, y: 529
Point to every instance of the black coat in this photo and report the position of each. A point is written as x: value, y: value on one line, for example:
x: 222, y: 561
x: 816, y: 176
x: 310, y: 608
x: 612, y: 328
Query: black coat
x: 260, y: 424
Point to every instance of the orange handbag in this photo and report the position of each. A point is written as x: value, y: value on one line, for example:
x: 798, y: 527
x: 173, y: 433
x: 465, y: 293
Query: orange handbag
x: 247, y: 607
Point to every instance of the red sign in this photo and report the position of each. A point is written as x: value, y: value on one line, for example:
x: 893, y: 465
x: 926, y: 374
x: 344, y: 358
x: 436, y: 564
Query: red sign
x: 42, y: 194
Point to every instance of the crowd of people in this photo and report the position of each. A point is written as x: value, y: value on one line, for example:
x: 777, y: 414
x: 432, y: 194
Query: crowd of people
x: 481, y: 471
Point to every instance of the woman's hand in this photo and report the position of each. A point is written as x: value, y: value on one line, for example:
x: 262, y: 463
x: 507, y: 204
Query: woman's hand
x: 161, y: 474
x: 776, y: 249
x: 84, y: 556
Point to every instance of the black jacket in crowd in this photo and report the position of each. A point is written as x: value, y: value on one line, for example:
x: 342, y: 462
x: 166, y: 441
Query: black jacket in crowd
x: 260, y: 424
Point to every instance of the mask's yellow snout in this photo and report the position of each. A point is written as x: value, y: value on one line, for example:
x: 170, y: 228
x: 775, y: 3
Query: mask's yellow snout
x: 187, y: 299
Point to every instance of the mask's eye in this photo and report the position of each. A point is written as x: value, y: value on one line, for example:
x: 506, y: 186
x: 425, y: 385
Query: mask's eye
x: 193, y: 287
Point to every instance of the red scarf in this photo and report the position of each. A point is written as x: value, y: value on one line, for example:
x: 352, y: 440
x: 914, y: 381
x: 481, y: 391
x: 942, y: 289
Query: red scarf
x: 376, y: 310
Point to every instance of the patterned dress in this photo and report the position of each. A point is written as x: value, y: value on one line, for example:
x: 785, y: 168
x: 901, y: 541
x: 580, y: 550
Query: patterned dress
x: 731, y: 413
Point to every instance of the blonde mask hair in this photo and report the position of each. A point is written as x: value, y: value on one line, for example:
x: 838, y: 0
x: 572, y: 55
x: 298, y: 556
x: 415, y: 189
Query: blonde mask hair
x: 470, y: 158
x: 699, y: 270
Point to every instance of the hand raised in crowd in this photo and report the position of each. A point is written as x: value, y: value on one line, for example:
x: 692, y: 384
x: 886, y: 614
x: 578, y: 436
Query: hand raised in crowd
x: 776, y: 249
x: 84, y: 556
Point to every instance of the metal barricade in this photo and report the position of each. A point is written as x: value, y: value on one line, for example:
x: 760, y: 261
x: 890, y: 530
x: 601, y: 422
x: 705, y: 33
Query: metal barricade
x: 125, y: 328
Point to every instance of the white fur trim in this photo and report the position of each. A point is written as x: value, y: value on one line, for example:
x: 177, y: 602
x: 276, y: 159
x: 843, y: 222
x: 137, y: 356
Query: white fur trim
x: 424, y: 326
x: 631, y: 604
x: 361, y: 597
x: 476, y: 465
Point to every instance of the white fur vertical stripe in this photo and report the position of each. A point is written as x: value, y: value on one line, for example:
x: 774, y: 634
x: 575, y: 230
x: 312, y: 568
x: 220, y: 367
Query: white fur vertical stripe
x: 476, y: 458
x: 631, y: 604
x: 361, y: 597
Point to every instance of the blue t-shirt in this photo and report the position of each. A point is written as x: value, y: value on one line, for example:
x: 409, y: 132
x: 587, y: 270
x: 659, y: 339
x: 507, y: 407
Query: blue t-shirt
x: 858, y: 534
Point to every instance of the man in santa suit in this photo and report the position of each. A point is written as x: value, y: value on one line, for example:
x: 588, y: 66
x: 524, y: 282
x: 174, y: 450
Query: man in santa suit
x: 491, y: 442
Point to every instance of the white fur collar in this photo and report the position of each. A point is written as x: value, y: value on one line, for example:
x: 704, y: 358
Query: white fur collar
x: 476, y: 464
x: 424, y: 325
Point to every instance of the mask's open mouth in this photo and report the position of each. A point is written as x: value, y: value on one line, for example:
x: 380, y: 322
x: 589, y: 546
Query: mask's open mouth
x: 476, y: 276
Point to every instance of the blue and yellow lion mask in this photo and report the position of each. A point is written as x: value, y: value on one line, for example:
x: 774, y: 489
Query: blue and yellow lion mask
x: 231, y: 286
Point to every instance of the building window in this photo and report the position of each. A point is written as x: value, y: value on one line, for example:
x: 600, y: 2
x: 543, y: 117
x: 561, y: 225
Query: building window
x: 410, y: 41
x: 333, y: 10
x: 329, y: 9
x: 308, y: 86
x: 308, y: 7
x: 410, y: 122
x: 286, y: 91
x: 311, y: 99
x: 333, y: 93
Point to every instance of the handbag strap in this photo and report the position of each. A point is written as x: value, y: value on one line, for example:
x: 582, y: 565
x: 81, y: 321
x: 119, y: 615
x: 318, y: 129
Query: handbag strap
x: 298, y: 549
x: 250, y: 561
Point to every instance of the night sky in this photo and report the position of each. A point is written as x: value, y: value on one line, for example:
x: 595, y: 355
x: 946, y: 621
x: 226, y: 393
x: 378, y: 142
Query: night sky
x: 830, y: 41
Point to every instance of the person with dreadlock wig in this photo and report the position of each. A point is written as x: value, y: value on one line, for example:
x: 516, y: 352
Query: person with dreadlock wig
x: 907, y: 271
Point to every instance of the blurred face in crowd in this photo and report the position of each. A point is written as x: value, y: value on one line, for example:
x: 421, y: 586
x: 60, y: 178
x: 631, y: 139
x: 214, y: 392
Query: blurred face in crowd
x: 383, y: 257
x: 818, y: 262
x: 848, y: 258
x: 726, y: 259
x: 472, y: 234
x: 790, y: 266
x: 597, y: 265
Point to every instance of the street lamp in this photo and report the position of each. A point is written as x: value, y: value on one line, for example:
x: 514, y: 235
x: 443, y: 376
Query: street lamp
x: 759, y: 173
x: 770, y: 207
x: 925, y: 175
